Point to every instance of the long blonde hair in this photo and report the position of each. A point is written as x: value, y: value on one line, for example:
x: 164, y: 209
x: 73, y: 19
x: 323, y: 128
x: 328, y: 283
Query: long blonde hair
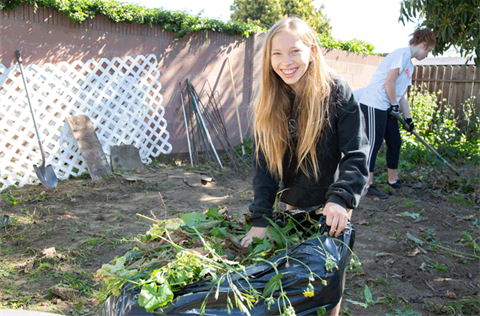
x: 271, y: 108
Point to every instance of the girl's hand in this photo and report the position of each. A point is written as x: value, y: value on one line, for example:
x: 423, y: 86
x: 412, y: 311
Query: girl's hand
x: 258, y: 232
x: 337, y: 218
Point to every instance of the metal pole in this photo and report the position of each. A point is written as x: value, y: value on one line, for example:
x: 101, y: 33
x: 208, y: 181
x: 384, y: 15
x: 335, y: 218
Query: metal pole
x: 186, y: 125
x: 205, y: 129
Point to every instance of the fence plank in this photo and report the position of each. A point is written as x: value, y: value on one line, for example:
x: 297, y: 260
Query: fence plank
x: 461, y: 87
x: 446, y: 86
x: 476, y: 88
x: 457, y: 83
x: 432, y: 87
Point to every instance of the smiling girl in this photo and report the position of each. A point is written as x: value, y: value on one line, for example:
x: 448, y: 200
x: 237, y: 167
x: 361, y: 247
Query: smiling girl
x: 309, y: 136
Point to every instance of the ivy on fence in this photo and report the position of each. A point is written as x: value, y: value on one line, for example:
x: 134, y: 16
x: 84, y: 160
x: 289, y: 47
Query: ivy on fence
x: 179, y: 22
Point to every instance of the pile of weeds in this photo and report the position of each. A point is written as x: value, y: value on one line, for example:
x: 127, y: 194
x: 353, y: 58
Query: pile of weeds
x: 177, y: 252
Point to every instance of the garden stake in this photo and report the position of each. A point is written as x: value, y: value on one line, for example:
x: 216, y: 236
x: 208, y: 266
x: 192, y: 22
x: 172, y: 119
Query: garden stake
x: 212, y: 123
x: 199, y: 113
x: 220, y: 121
x: 402, y: 121
x: 186, y: 124
x: 236, y: 107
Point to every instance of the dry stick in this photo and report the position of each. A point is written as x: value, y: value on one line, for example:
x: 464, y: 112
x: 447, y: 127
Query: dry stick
x: 236, y: 107
x: 164, y: 206
x: 147, y: 218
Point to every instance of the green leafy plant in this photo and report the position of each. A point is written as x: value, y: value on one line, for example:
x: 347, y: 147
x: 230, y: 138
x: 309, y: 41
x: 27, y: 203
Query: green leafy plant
x: 411, y: 215
x: 369, y: 301
x: 356, y: 46
x: 438, y: 266
x: 9, y: 198
x: 197, y: 246
x: 454, y: 133
x: 406, y: 312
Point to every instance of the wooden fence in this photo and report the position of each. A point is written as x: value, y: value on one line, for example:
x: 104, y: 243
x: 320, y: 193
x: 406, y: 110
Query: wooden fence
x: 457, y: 83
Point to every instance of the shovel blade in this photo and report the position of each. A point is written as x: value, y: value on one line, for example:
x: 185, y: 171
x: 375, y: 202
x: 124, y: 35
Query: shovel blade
x: 46, y: 175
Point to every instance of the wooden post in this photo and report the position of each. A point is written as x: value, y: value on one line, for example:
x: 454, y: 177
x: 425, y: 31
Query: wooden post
x: 236, y: 107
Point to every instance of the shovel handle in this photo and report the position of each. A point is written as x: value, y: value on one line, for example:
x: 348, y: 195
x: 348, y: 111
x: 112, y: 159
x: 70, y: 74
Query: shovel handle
x: 19, y: 58
x: 407, y: 127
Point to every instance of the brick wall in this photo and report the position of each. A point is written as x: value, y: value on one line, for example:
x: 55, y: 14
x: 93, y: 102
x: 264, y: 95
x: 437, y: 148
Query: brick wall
x: 49, y: 37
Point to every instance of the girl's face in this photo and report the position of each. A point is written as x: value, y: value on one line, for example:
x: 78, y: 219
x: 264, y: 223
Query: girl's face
x: 290, y: 57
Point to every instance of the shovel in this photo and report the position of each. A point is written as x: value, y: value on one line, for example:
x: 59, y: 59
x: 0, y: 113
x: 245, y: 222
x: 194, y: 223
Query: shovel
x: 45, y: 174
x: 402, y: 121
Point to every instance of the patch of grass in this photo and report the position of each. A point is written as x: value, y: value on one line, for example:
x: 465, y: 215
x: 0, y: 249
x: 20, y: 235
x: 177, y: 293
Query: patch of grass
x: 409, y: 204
x: 459, y: 200
x: 405, y: 312
x: 382, y: 282
x: 466, y: 306
x: 94, y: 241
x: 438, y: 266
x: 43, y: 267
x: 430, y: 235
x: 344, y: 310
x: 396, y: 234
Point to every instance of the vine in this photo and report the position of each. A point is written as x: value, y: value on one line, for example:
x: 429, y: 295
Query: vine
x: 179, y: 22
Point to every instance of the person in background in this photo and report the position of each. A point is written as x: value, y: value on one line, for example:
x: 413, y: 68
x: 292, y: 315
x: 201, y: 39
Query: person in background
x: 308, y: 134
x: 387, y: 93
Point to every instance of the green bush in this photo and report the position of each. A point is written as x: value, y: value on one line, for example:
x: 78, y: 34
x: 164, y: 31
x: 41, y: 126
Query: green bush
x: 356, y: 46
x: 454, y: 134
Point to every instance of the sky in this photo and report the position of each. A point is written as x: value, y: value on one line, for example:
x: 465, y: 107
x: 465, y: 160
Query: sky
x: 374, y: 21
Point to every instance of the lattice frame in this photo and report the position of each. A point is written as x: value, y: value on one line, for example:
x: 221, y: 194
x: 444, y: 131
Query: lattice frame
x: 120, y: 96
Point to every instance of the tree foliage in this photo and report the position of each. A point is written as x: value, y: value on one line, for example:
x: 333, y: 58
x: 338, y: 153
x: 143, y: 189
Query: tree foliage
x: 455, y: 23
x: 265, y: 13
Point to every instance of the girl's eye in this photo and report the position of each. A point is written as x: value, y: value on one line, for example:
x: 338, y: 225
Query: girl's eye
x: 275, y: 53
x: 296, y: 51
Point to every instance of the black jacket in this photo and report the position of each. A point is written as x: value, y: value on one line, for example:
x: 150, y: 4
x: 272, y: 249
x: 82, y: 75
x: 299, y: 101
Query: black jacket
x: 342, y: 156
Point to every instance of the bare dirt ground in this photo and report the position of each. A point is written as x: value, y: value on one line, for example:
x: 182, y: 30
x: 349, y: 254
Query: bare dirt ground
x: 415, y: 248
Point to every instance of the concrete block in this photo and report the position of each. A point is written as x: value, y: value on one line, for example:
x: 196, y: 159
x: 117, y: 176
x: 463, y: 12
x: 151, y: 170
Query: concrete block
x: 125, y: 158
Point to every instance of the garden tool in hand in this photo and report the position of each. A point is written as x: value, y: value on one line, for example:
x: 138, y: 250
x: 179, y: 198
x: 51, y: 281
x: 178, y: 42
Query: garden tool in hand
x: 407, y: 127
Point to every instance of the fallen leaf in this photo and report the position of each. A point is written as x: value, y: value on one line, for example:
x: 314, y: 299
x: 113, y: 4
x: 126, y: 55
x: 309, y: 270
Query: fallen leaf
x: 360, y: 283
x: 422, y: 250
x: 451, y: 295
x: 362, y: 222
x: 413, y: 254
x: 414, y: 239
x: 422, y: 266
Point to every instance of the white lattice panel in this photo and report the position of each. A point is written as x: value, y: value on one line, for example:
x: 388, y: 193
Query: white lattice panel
x: 120, y: 96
